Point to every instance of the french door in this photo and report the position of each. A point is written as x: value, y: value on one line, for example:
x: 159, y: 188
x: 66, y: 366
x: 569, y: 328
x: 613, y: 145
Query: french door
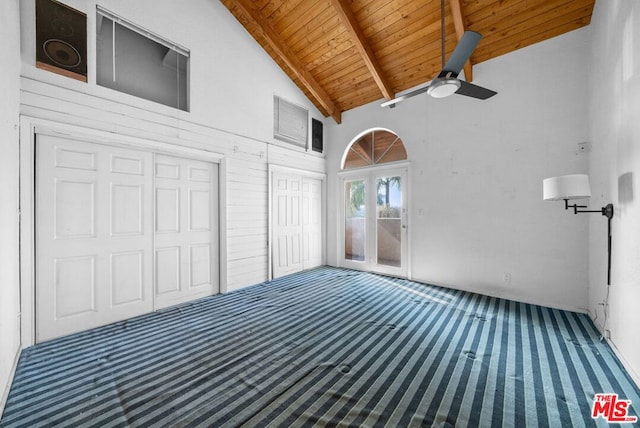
x: 374, y: 226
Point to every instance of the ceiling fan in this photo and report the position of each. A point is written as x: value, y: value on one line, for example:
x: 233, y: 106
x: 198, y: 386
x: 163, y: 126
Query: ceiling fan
x: 447, y: 82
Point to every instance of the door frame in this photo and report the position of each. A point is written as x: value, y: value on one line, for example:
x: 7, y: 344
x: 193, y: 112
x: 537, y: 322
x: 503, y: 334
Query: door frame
x: 32, y: 126
x: 368, y: 173
x: 306, y: 174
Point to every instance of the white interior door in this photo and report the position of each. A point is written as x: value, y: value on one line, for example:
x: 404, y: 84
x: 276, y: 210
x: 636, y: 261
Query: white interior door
x: 93, y: 258
x: 296, y: 222
x: 287, y: 224
x: 186, y: 229
x: 119, y: 233
x: 311, y: 222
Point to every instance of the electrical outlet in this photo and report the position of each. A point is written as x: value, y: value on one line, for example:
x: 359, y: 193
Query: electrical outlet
x: 506, y: 277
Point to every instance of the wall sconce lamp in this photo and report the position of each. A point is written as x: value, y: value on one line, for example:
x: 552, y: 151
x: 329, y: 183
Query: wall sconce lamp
x: 576, y: 186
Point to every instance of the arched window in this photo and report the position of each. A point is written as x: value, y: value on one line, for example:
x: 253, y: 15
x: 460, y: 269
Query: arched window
x: 374, y: 147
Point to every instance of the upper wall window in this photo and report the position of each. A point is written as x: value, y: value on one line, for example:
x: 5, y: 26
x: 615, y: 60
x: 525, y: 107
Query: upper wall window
x: 137, y: 62
x: 290, y: 122
x: 374, y: 147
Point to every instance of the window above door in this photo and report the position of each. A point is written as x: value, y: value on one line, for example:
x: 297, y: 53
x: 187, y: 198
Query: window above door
x: 374, y: 147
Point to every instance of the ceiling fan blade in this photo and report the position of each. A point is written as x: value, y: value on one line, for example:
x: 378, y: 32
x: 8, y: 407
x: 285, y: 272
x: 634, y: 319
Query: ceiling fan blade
x: 474, y: 91
x: 461, y: 53
x: 413, y: 93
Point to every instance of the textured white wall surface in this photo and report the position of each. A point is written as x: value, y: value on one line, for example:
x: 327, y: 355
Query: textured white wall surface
x: 477, y: 169
x: 614, y: 130
x: 9, y: 197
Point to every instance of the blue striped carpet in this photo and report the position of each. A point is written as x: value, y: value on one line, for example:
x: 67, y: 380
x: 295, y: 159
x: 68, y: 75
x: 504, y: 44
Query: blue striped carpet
x: 327, y: 347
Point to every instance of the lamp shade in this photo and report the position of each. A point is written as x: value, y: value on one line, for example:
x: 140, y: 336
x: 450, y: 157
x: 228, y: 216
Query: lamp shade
x: 573, y: 186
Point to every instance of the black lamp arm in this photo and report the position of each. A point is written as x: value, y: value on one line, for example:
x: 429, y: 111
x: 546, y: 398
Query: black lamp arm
x: 606, y: 211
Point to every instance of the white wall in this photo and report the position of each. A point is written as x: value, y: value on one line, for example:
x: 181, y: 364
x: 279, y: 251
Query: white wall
x: 614, y: 83
x: 477, y: 170
x: 232, y: 85
x: 9, y: 205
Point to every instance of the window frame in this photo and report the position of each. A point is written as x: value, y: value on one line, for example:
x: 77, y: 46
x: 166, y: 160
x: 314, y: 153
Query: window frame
x: 281, y: 132
x: 179, y: 50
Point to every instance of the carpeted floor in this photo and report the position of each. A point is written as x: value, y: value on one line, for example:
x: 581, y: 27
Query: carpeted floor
x: 327, y: 347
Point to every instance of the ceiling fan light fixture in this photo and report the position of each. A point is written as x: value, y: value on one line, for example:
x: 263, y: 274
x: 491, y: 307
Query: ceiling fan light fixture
x: 443, y: 87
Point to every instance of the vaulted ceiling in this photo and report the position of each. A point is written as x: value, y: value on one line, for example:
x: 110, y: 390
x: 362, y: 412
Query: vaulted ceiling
x: 347, y: 53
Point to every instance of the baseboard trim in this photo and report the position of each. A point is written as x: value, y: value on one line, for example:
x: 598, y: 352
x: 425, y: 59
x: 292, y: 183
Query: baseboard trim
x: 7, y: 387
x: 497, y: 295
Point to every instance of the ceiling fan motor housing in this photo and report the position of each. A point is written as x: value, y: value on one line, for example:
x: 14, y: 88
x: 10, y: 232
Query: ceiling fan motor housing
x: 441, y: 87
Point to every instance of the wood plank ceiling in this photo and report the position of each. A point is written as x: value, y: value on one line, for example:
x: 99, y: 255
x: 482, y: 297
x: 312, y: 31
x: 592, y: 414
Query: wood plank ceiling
x: 347, y: 53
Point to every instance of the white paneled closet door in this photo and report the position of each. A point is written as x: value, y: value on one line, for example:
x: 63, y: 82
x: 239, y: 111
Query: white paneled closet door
x: 186, y: 230
x: 287, y: 224
x: 311, y: 222
x: 94, y: 262
x: 119, y: 233
x: 296, y: 223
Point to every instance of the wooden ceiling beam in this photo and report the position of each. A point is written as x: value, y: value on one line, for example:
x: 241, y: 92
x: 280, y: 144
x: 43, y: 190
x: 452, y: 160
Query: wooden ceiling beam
x: 458, y: 23
x: 348, y: 19
x: 269, y: 35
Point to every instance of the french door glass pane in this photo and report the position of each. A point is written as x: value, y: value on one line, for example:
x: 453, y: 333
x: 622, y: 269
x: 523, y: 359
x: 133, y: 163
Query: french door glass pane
x: 389, y: 221
x: 355, y: 227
